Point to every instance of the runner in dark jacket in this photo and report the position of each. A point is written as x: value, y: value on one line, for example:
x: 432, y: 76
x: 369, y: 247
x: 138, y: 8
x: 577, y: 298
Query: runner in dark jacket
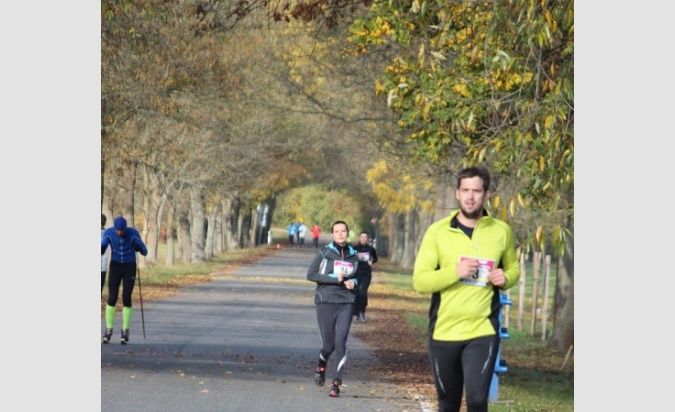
x: 334, y: 271
x: 366, y: 255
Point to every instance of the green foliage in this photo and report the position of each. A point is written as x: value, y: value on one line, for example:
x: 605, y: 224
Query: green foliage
x: 490, y: 83
x: 321, y: 205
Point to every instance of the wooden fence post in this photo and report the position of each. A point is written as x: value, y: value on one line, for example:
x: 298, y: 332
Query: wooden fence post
x: 544, y: 308
x: 521, y: 292
x: 506, y: 310
x: 536, y: 263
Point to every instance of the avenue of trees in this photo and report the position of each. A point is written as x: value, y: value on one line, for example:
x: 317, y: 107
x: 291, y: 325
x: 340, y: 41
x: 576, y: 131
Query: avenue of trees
x: 210, y: 108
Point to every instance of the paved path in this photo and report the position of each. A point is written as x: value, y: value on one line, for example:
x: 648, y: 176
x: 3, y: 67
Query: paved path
x: 240, y: 343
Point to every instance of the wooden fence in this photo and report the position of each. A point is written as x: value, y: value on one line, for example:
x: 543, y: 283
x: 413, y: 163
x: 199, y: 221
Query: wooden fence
x: 534, y: 300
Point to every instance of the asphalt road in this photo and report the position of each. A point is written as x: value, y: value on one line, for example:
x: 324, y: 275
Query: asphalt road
x: 246, y: 342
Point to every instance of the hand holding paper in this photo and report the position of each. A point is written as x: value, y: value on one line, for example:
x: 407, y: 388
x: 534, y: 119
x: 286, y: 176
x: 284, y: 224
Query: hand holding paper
x: 497, y: 278
x: 475, y: 271
x: 467, y: 267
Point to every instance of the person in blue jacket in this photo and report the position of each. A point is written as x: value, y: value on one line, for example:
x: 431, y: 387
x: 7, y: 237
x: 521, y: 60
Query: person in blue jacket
x: 292, y: 231
x: 124, y: 242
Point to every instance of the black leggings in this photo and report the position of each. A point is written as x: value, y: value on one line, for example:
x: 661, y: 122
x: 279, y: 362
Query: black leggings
x: 467, y: 363
x: 124, y: 273
x: 102, y: 280
x: 335, y: 319
x: 362, y: 293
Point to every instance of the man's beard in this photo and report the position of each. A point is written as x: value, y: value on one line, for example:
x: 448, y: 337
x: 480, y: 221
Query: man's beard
x: 472, y: 215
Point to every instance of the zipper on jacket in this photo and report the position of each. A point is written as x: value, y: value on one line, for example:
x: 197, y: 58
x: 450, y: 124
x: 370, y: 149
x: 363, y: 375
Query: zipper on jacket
x: 473, y: 239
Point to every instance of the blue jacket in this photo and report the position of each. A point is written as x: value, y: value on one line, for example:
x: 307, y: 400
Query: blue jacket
x: 124, y: 248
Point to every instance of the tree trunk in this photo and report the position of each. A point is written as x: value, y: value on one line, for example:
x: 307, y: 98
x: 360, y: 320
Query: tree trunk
x: 226, y: 207
x: 183, y: 232
x: 399, y: 238
x: 147, y: 213
x: 153, y: 235
x: 127, y: 187
x: 108, y: 201
x: 210, y: 232
x: 409, y: 237
x: 141, y: 262
x: 245, y: 224
x: 102, y: 179
x: 230, y: 227
x: 170, y: 259
x: 218, y: 232
x: 272, y: 203
x: 197, y: 228
x: 563, y: 327
x: 391, y: 236
x: 255, y: 226
x: 152, y: 214
x: 426, y: 219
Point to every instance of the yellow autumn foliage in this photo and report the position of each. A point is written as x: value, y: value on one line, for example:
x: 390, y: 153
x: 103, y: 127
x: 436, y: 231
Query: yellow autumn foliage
x: 397, y: 191
x: 461, y: 89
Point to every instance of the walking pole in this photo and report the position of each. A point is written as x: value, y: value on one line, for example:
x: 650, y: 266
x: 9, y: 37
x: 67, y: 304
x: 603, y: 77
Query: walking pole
x: 140, y: 293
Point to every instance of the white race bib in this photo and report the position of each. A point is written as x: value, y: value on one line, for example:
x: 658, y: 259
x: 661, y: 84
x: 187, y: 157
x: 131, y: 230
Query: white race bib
x: 363, y: 256
x: 480, y: 278
x: 346, y: 268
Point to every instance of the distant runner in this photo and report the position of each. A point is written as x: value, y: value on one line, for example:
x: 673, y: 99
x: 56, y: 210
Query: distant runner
x: 367, y: 256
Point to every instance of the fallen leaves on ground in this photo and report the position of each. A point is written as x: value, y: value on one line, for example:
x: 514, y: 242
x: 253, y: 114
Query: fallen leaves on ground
x: 398, y: 346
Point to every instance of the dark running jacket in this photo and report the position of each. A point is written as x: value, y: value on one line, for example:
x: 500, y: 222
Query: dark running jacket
x: 323, y: 272
x: 364, y: 253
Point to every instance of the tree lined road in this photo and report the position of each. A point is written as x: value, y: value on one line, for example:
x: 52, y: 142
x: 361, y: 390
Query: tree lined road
x: 243, y: 342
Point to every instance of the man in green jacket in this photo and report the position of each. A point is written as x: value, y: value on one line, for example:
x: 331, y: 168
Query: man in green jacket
x: 464, y: 260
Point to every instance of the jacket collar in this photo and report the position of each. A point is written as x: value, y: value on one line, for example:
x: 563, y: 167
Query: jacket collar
x: 335, y: 248
x: 454, y: 214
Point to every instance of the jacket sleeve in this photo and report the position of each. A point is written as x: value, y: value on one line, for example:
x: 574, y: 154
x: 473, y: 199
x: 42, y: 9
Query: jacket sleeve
x: 373, y: 252
x: 138, y: 245
x: 104, y: 243
x: 317, y: 271
x: 510, y: 261
x: 355, y: 275
x: 428, y: 276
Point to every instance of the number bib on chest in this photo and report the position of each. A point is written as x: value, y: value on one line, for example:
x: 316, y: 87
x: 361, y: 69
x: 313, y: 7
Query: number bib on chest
x: 480, y: 278
x: 363, y: 256
x: 346, y: 268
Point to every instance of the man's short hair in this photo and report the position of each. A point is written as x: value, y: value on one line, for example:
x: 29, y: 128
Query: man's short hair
x: 474, y: 171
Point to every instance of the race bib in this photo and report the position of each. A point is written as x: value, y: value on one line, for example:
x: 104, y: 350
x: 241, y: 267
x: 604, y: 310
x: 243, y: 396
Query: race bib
x: 346, y: 268
x: 480, y: 278
x: 363, y: 256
